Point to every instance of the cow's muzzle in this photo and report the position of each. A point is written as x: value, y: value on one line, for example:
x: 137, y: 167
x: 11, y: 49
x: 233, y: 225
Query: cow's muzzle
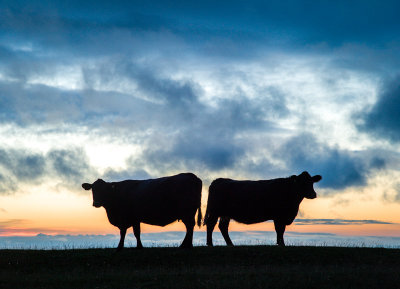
x: 96, y: 204
x: 311, y: 196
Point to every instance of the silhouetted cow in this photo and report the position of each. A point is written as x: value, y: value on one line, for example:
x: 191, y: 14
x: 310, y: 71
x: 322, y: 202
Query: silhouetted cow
x: 252, y: 202
x: 155, y: 201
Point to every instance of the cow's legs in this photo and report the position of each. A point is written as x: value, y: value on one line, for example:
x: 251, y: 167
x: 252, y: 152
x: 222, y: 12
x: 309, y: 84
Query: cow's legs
x: 211, y: 222
x: 136, y: 232
x: 188, y: 240
x: 122, y: 232
x: 223, y: 227
x: 280, y: 229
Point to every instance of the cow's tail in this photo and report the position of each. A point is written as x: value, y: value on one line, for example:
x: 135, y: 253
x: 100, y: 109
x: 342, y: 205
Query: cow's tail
x: 199, y: 216
x: 207, y: 214
x: 205, y: 218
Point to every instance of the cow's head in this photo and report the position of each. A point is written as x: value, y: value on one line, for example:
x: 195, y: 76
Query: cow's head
x: 100, y: 191
x: 305, y: 184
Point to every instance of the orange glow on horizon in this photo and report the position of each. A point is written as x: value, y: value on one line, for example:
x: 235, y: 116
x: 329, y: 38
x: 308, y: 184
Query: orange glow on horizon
x: 389, y: 230
x: 62, y: 213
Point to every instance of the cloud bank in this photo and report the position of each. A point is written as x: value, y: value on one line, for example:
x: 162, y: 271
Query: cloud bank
x: 173, y: 239
x: 243, y: 90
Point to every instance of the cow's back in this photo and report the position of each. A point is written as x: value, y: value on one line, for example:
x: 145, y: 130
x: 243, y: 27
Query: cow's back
x: 161, y: 201
x: 249, y: 201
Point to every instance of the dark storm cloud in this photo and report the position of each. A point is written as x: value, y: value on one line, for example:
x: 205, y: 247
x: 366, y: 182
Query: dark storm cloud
x: 19, y: 167
x: 226, y: 28
x: 339, y: 168
x: 383, y: 120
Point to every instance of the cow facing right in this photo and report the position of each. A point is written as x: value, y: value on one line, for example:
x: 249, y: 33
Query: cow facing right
x: 251, y: 202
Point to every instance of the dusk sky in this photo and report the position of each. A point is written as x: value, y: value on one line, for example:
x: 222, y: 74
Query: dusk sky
x: 241, y: 89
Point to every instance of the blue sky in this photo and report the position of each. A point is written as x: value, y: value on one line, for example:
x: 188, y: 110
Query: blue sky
x: 241, y: 89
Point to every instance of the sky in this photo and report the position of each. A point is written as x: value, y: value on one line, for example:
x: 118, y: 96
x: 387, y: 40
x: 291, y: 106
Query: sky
x: 240, y: 89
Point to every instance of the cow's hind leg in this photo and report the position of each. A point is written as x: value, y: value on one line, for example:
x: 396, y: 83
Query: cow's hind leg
x: 136, y: 232
x: 280, y: 229
x: 122, y: 233
x: 223, y: 227
x: 188, y: 241
x: 211, y: 222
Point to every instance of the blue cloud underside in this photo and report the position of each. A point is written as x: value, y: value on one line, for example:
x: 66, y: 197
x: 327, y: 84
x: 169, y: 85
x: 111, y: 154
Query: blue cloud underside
x: 383, y: 119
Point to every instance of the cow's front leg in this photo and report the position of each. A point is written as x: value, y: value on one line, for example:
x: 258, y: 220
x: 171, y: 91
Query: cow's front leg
x: 136, y: 232
x: 122, y: 232
x: 279, y: 229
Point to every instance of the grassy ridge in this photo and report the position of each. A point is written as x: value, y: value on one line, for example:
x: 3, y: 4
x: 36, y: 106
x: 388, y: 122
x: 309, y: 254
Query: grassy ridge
x: 201, y: 267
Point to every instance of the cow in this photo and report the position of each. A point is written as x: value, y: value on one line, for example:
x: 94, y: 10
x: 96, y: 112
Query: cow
x: 250, y: 202
x: 154, y: 201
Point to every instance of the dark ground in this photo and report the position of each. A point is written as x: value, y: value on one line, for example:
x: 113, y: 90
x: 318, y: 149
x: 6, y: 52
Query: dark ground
x: 202, y: 267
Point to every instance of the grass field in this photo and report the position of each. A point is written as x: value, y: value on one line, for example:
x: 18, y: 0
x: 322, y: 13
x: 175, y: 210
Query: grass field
x: 202, y: 267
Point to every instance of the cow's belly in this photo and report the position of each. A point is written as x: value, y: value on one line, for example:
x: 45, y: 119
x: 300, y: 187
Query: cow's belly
x: 254, y: 220
x: 261, y: 215
x: 164, y: 215
x: 251, y: 219
x: 158, y: 221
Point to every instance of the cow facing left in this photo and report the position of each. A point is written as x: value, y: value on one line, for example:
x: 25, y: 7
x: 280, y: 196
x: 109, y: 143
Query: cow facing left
x: 155, y: 201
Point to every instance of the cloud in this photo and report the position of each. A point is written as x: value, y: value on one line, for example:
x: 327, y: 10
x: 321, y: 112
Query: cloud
x: 119, y: 175
x: 382, y: 120
x: 22, y: 227
x: 210, y: 140
x: 198, y: 86
x: 339, y: 222
x: 36, y: 104
x: 70, y: 164
x: 19, y: 167
x: 339, y: 168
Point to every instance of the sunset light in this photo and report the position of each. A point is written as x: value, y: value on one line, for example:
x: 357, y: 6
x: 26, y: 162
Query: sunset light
x: 128, y: 91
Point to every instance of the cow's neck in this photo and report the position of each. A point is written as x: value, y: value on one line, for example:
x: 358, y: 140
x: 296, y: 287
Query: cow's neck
x: 114, y: 213
x: 297, y: 196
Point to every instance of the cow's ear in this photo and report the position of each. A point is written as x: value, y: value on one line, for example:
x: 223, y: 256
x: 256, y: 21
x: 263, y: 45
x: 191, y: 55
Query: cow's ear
x: 86, y: 186
x: 316, y: 178
x: 304, y: 174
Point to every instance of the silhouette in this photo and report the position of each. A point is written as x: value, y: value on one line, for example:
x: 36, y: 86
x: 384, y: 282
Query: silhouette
x: 155, y: 201
x: 252, y: 202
